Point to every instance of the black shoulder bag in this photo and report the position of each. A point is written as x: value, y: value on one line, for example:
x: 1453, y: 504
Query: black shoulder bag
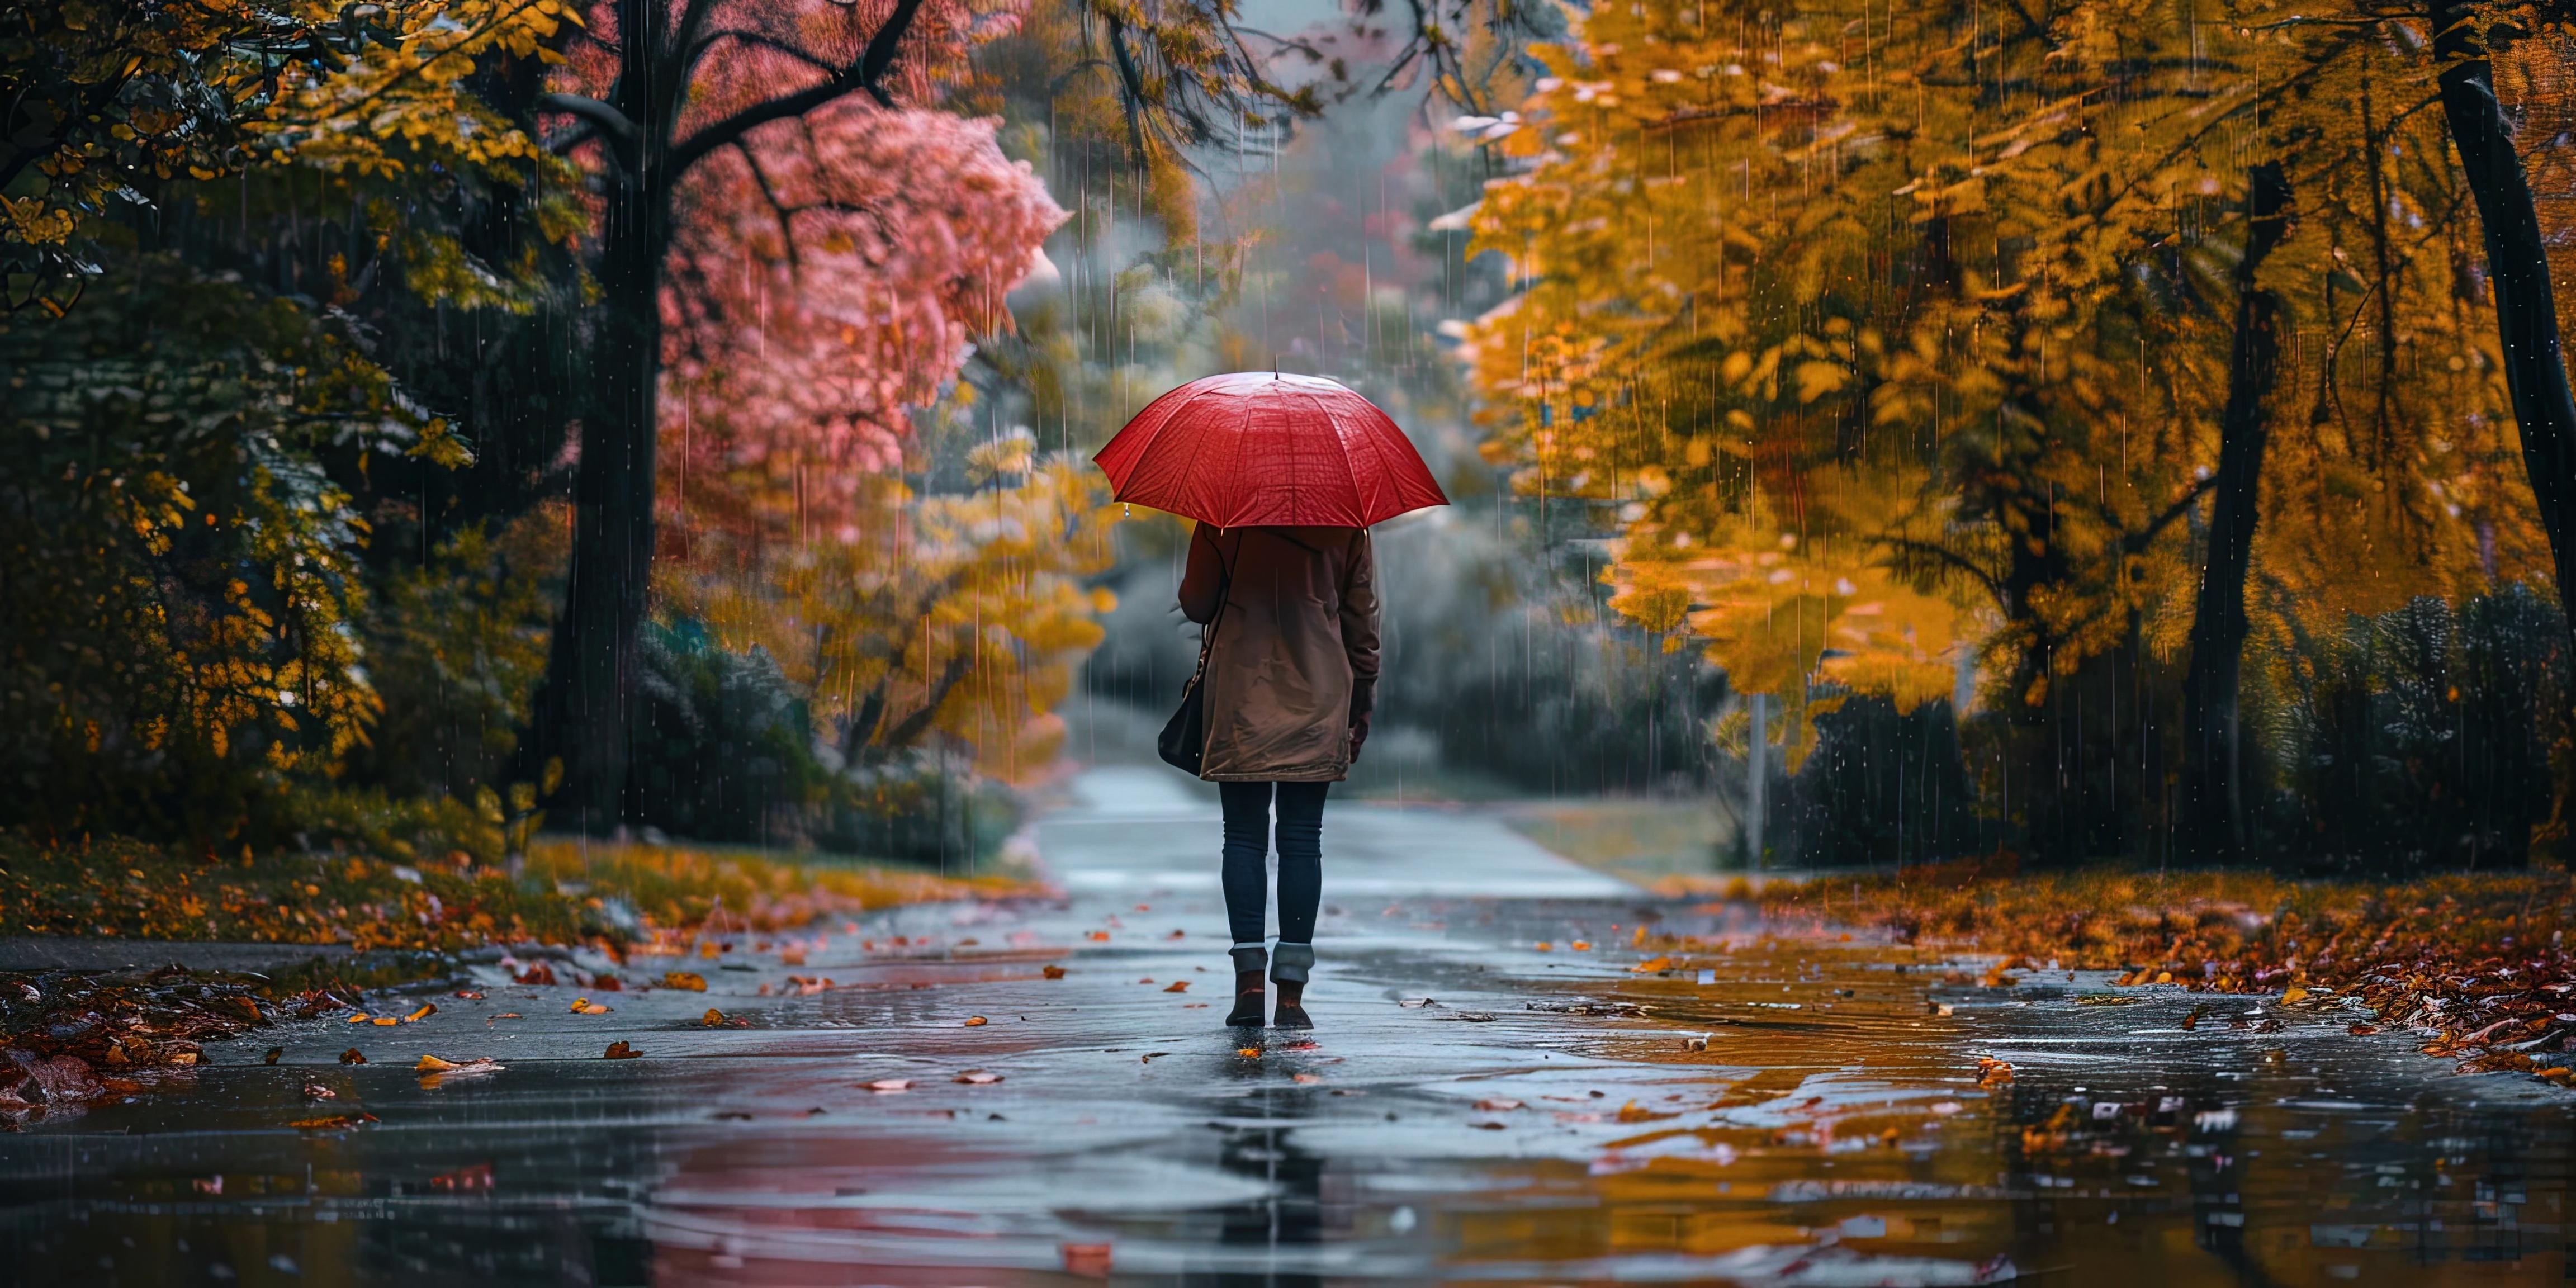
x: 1183, y: 742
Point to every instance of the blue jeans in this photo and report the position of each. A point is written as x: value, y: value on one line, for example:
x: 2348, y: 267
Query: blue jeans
x: 1301, y: 857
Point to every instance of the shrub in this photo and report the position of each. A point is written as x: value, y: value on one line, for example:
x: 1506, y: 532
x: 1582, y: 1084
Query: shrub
x: 181, y: 574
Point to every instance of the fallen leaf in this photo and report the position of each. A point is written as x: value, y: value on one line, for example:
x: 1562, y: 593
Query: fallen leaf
x: 713, y: 1018
x: 978, y: 1078
x: 435, y: 1064
x: 468, y: 994
x: 1098, y: 936
x: 1053, y: 972
x: 476, y: 1177
x: 1248, y: 1053
x: 585, y: 1006
x: 352, y: 1056
x: 1499, y: 1106
x: 889, y: 1084
x: 334, y: 1123
x: 1543, y: 945
x: 976, y: 1021
x: 359, y: 1018
x: 2292, y: 996
x: 1178, y: 986
x: 2357, y: 1029
x: 274, y: 1053
x: 1651, y: 965
x: 1488, y: 1126
x: 426, y: 1010
x: 686, y: 980
x: 621, y: 1051
x: 1582, y: 945
x: 540, y: 973
x: 1088, y: 1260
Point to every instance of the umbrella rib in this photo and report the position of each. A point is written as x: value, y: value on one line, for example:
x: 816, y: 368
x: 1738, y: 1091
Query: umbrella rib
x: 1189, y: 470
x: 1384, y: 478
x: 1347, y: 472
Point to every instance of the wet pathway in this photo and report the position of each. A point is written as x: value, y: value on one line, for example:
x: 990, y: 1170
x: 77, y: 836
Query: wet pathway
x: 1039, y: 1094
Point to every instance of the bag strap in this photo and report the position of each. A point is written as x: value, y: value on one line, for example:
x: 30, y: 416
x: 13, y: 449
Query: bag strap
x: 1207, y: 633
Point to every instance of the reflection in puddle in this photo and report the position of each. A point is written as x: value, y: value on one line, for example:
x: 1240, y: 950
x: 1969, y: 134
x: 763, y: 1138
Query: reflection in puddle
x: 1795, y: 1113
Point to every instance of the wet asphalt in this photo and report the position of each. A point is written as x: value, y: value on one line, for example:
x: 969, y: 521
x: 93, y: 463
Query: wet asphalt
x: 1517, y: 1078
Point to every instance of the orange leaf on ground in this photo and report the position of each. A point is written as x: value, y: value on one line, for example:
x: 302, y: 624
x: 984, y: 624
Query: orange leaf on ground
x: 621, y: 1051
x: 687, y: 980
x: 426, y: 1010
x: 975, y: 1021
x: 1053, y: 972
x: 334, y: 1123
x: 1178, y: 986
x: 1087, y: 1260
x: 1651, y: 965
x: 352, y: 1056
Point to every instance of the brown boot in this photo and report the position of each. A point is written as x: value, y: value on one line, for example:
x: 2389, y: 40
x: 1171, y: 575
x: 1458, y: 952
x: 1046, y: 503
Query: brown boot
x: 1249, y: 993
x: 1289, y: 966
x: 1249, y: 997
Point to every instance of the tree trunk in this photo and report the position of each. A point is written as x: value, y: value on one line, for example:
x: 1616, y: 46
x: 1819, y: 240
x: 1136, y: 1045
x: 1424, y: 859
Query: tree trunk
x: 587, y: 713
x: 2535, y: 370
x: 2213, y: 812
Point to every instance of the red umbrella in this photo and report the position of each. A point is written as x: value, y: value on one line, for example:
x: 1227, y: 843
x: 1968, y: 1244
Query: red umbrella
x: 1257, y: 447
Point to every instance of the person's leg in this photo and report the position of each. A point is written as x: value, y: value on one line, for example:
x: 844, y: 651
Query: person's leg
x: 1301, y: 893
x: 1247, y: 890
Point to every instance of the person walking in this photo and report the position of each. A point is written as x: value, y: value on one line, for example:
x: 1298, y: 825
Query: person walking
x: 1284, y: 475
x: 1289, y: 684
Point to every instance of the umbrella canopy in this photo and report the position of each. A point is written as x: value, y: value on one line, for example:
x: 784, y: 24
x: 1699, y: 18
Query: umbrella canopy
x: 1259, y: 448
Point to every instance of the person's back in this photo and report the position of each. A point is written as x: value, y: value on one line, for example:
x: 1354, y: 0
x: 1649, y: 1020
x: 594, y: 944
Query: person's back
x: 1293, y: 668
x: 1291, y: 681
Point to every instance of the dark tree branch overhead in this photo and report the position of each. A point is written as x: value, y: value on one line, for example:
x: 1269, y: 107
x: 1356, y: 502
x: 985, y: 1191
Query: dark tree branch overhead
x: 689, y: 63
x: 865, y: 75
x: 600, y: 118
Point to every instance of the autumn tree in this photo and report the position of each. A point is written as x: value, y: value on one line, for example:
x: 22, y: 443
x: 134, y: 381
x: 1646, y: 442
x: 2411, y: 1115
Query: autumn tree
x: 682, y: 113
x: 1957, y: 319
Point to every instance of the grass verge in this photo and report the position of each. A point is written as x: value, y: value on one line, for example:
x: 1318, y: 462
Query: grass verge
x: 68, y: 1038
x: 2478, y: 966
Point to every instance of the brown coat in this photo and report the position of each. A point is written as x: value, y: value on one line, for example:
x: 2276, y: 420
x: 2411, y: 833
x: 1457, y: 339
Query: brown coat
x: 1295, y: 658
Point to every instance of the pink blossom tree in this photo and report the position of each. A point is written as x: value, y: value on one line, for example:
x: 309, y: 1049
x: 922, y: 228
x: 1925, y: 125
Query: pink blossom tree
x: 787, y: 227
